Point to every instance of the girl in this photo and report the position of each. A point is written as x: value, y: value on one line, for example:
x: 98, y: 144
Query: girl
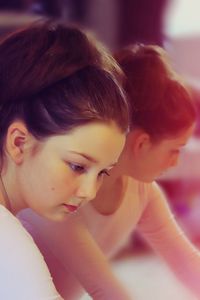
x: 162, y: 120
x: 63, y: 120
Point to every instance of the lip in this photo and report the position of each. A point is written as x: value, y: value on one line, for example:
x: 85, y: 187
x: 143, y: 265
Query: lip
x: 71, y: 208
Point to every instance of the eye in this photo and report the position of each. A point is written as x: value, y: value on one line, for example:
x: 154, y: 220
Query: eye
x: 77, y: 168
x: 176, y: 151
x: 104, y: 172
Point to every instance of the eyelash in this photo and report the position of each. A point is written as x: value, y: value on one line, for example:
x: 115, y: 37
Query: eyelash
x: 104, y: 172
x: 77, y: 168
x: 81, y: 169
x: 176, y: 151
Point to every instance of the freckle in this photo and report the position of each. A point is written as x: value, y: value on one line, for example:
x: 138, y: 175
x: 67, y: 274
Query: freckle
x: 53, y: 189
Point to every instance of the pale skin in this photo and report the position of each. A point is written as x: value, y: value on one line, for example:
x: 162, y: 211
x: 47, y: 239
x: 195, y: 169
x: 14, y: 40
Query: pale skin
x: 57, y: 175
x: 86, y: 258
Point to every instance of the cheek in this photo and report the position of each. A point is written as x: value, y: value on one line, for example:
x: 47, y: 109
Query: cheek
x: 158, y: 164
x: 54, y: 189
x: 49, y: 178
x: 163, y: 157
x: 167, y: 161
x: 100, y: 182
x: 61, y: 180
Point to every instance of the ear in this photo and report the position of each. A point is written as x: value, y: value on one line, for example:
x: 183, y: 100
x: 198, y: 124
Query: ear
x: 16, y: 140
x: 140, y: 142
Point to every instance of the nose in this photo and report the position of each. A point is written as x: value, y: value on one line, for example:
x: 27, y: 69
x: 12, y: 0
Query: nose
x: 87, y: 189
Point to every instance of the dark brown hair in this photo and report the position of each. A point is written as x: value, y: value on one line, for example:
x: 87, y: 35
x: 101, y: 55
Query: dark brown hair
x: 160, y: 103
x: 54, y: 78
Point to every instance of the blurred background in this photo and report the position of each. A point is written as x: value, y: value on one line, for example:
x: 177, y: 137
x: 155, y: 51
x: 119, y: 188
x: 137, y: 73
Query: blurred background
x: 175, y: 25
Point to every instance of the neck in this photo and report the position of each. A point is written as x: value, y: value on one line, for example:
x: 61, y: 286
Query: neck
x: 4, y: 196
x: 107, y: 203
x: 123, y: 165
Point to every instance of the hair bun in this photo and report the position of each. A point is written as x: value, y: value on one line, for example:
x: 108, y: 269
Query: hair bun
x: 54, y: 56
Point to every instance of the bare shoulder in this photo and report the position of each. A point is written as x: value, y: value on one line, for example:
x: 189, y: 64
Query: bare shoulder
x: 156, y: 189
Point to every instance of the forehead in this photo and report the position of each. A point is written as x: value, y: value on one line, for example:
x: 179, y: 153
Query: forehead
x: 179, y: 140
x: 96, y: 139
x: 95, y: 130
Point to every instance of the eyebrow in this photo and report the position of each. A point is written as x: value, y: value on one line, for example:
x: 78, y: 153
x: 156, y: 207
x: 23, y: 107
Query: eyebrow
x: 90, y: 158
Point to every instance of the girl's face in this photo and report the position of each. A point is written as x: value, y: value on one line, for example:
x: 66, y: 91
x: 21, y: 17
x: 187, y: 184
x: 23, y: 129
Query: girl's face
x: 155, y: 158
x: 66, y: 171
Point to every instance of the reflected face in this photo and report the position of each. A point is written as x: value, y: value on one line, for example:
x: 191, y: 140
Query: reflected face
x: 67, y: 170
x: 160, y: 156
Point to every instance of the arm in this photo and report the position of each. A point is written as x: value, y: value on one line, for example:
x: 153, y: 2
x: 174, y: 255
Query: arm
x: 72, y: 244
x: 90, y: 266
x: 23, y: 272
x: 160, y: 229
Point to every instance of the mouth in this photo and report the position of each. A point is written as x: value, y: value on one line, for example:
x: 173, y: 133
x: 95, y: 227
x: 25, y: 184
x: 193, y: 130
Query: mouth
x: 71, y: 208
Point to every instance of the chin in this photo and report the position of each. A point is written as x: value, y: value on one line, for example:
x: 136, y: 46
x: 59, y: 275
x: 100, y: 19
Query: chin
x: 143, y: 178
x: 148, y: 179
x: 56, y: 217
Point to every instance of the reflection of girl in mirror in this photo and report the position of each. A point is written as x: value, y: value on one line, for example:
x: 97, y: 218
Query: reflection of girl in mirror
x: 63, y: 121
x: 162, y: 120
